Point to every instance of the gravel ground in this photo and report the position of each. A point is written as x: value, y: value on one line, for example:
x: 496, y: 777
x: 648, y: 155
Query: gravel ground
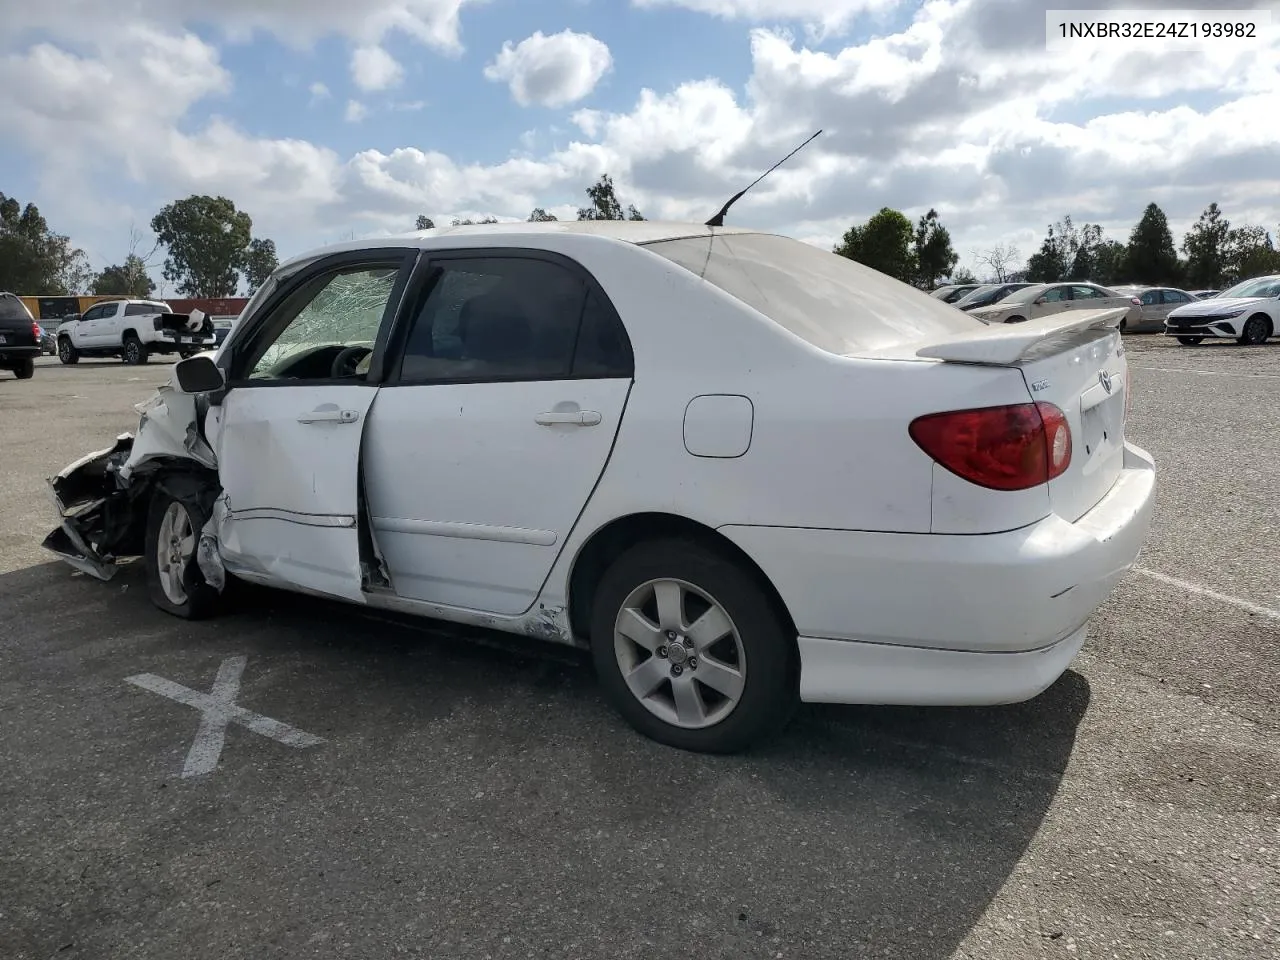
x: 479, y: 800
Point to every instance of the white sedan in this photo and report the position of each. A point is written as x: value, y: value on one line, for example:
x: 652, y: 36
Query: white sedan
x: 1248, y: 313
x: 741, y: 470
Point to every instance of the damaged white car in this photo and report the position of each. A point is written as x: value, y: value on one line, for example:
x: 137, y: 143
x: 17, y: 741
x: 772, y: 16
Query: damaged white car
x: 741, y: 470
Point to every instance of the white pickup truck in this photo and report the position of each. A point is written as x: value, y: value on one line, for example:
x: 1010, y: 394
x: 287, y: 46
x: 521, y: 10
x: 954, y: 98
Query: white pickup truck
x: 133, y: 330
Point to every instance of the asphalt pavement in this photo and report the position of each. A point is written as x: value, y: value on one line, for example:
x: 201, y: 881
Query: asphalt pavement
x: 429, y: 794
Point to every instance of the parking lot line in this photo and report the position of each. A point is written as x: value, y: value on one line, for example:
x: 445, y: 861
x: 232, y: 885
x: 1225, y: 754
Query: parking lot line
x: 1200, y: 591
x: 1209, y: 373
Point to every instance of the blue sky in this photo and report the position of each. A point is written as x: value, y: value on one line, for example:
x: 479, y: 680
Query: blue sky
x: 951, y: 104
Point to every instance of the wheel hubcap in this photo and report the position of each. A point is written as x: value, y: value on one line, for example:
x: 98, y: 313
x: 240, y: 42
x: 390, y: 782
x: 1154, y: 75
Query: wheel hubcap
x: 175, y: 547
x: 680, y: 654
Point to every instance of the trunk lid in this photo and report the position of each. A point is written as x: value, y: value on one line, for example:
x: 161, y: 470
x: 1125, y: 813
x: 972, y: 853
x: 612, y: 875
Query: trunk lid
x: 1077, y: 362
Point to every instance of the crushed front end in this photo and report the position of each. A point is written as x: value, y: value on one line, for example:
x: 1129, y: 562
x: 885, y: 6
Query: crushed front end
x: 103, y: 498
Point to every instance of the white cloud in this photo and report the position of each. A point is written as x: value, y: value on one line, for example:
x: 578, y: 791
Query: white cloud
x: 355, y: 112
x: 432, y: 22
x: 319, y: 92
x: 823, y: 15
x: 372, y: 68
x: 551, y: 71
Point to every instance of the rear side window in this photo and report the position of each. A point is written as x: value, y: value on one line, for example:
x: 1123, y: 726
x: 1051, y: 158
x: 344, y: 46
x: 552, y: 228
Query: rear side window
x: 11, y: 308
x: 140, y: 310
x: 830, y: 301
x: 512, y: 318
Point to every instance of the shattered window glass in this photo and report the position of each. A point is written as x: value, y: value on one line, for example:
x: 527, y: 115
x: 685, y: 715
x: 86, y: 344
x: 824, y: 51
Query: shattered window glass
x: 346, y: 310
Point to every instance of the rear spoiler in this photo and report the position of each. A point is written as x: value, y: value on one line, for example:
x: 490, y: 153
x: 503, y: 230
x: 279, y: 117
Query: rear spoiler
x: 1007, y: 344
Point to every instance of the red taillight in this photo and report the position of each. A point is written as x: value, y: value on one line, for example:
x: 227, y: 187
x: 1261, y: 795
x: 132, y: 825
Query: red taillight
x: 35, y: 330
x: 1002, y: 448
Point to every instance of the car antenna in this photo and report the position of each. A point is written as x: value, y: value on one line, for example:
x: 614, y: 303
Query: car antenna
x: 718, y: 219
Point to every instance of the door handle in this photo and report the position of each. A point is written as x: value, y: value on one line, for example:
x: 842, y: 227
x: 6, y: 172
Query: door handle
x: 330, y: 416
x: 577, y: 418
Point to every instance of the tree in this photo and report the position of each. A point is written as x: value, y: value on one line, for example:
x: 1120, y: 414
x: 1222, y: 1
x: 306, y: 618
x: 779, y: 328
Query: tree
x: 1206, y: 247
x: 932, y: 250
x: 541, y: 216
x: 1249, y: 252
x: 129, y: 279
x: 1109, y: 262
x: 208, y: 243
x: 260, y: 261
x: 1152, y: 257
x: 471, y: 223
x: 882, y: 243
x: 604, y: 203
x: 34, y: 260
x: 963, y: 275
x: 998, y: 260
x: 425, y: 223
x: 1057, y: 254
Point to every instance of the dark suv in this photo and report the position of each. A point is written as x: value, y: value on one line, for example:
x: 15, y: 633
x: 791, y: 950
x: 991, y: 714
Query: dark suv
x: 19, y: 337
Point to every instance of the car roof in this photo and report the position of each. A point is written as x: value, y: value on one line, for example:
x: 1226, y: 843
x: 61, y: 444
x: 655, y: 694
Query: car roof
x: 637, y: 232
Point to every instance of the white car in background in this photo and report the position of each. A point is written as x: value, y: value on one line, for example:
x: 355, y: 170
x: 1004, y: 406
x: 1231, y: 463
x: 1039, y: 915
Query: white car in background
x: 741, y: 470
x: 1047, y: 299
x: 1248, y: 313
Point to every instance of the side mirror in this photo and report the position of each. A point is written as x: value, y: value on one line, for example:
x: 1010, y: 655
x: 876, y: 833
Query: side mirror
x: 198, y: 375
x: 1041, y: 300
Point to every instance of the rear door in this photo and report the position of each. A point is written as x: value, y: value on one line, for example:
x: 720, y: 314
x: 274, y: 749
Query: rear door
x: 494, y: 426
x: 288, y: 429
x: 1171, y: 300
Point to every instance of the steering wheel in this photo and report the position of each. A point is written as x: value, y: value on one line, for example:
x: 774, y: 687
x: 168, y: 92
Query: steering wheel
x: 345, y: 363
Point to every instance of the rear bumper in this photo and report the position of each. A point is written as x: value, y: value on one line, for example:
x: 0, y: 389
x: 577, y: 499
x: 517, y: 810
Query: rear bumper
x: 846, y: 671
x: 10, y: 352
x: 916, y: 617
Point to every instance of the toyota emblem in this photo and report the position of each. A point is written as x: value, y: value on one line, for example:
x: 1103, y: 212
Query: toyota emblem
x: 1104, y: 378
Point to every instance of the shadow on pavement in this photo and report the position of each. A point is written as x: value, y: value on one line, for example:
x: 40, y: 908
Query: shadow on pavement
x: 471, y: 800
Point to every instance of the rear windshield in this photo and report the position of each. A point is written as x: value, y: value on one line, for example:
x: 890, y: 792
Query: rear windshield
x: 11, y: 308
x: 832, y: 302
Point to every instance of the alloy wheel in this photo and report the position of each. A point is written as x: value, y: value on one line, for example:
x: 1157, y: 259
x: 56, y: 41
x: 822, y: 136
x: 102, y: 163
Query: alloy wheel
x: 680, y: 654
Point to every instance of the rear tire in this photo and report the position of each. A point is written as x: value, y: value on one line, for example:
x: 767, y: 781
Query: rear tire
x: 734, y: 679
x: 174, y: 581
x: 135, y: 354
x: 1190, y: 341
x: 25, y: 370
x: 1256, y: 330
x: 1016, y: 320
x: 67, y: 353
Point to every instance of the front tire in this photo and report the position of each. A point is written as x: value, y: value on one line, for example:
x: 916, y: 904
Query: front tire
x: 1256, y: 330
x: 25, y: 370
x: 1190, y: 341
x: 135, y: 354
x: 690, y: 650
x: 67, y: 353
x: 174, y: 581
x: 1016, y: 320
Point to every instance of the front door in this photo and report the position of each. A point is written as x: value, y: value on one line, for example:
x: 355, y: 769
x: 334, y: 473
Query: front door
x: 1054, y: 300
x: 289, y: 427
x: 493, y: 427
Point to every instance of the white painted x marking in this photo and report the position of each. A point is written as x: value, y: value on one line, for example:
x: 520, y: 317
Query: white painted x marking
x: 218, y: 708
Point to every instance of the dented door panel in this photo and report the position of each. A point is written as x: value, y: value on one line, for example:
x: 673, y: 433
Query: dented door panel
x: 289, y: 463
